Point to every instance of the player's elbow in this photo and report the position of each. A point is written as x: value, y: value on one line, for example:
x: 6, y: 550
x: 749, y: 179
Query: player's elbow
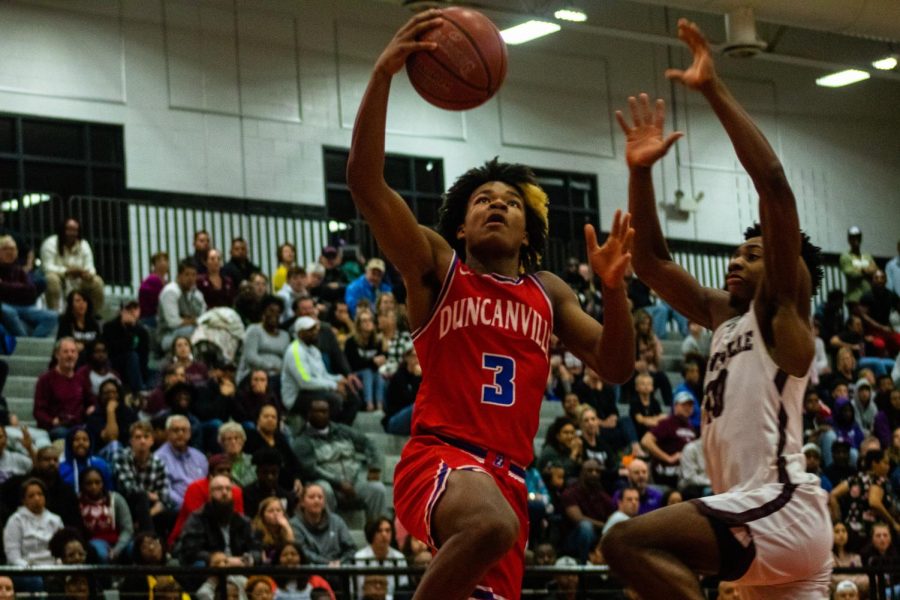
x: 617, y: 374
x: 359, y: 177
x: 773, y: 180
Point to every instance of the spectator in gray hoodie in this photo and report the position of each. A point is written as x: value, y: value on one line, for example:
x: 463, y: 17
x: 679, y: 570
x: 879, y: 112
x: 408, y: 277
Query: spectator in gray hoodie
x: 323, y: 535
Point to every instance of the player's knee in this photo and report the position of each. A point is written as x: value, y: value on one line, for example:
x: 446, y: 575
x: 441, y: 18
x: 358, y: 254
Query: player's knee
x: 615, y: 543
x: 498, y: 533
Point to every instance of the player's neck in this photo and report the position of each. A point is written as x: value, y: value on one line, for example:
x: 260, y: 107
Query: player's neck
x: 740, y: 305
x: 500, y: 265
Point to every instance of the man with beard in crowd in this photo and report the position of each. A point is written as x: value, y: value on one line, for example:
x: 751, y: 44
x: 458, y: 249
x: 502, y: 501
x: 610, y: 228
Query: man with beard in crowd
x: 217, y: 527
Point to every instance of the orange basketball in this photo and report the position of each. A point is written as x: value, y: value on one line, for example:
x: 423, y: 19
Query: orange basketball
x: 468, y: 65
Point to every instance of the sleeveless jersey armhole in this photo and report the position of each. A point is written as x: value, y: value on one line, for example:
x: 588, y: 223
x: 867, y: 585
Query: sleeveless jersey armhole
x: 445, y: 286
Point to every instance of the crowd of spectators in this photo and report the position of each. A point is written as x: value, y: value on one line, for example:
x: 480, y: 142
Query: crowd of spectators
x: 211, y: 420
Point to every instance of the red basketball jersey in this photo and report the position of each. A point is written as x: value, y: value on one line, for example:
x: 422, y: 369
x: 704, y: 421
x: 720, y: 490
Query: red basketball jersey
x: 485, y: 362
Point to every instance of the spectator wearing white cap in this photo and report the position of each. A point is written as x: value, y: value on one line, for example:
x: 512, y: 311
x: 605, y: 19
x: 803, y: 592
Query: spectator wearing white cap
x: 846, y: 590
x: 304, y: 375
x: 367, y: 286
x: 858, y: 268
x: 813, y: 455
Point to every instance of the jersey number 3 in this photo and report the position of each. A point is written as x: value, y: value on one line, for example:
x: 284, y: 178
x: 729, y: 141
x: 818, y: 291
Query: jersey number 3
x: 502, y: 391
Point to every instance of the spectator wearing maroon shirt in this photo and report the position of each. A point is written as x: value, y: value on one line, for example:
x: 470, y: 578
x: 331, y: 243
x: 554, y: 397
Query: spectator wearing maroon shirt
x: 18, y: 294
x: 61, y: 400
x: 151, y: 287
x: 666, y: 441
x: 586, y: 507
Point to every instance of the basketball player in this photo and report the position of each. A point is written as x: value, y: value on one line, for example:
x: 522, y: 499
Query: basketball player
x: 482, y: 320
x: 768, y: 527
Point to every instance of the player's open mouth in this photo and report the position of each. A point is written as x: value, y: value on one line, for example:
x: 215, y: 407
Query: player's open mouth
x: 496, y: 218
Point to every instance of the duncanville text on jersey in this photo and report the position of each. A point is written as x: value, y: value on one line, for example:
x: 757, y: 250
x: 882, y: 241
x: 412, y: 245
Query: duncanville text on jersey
x: 503, y: 314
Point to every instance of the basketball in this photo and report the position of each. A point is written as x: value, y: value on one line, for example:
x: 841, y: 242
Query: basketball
x: 468, y: 65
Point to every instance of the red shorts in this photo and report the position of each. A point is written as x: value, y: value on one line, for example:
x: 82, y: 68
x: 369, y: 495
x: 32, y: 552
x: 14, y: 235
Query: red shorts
x: 419, y: 482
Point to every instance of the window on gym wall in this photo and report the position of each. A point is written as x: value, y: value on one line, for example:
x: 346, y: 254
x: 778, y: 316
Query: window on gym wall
x: 418, y: 179
x: 54, y: 168
x: 573, y: 202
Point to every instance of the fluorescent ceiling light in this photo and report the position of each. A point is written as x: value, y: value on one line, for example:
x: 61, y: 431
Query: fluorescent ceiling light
x: 885, y: 64
x: 842, y: 78
x: 570, y: 14
x: 528, y: 31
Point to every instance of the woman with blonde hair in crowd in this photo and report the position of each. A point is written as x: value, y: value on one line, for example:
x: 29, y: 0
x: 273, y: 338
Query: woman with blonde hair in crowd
x: 365, y: 354
x: 287, y: 258
x: 271, y: 527
x: 394, y: 341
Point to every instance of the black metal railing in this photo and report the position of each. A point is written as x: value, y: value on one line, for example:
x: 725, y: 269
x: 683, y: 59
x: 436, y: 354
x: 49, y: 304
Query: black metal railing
x: 593, y: 582
x: 124, y: 233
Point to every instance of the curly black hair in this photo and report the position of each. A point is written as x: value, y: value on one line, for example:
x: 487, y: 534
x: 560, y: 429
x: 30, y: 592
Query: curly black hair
x: 452, y: 213
x: 811, y: 254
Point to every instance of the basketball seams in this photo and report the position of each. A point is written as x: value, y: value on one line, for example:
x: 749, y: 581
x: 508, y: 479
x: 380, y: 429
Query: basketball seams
x: 452, y: 73
x: 457, y: 104
x: 451, y: 79
x: 484, y: 63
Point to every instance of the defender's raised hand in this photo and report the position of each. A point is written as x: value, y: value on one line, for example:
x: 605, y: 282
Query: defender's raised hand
x: 405, y: 42
x: 611, y: 260
x: 644, y: 142
x: 702, y: 72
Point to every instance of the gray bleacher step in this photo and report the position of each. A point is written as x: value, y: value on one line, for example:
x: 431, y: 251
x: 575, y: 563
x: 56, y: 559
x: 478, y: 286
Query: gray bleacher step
x: 390, y: 463
x: 551, y: 409
x: 388, y: 443
x: 675, y: 378
x: 672, y: 347
x: 19, y: 386
x: 29, y: 346
x: 359, y: 538
x: 26, y: 366
x: 670, y: 363
x: 369, y: 422
x: 355, y: 519
x: 21, y: 407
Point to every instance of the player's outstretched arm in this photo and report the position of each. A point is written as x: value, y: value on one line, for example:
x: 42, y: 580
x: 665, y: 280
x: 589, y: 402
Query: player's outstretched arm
x: 608, y: 349
x: 784, y: 296
x: 407, y: 245
x: 644, y: 145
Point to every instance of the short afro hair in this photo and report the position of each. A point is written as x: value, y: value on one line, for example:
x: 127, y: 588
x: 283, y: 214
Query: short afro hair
x: 456, y: 202
x: 809, y: 252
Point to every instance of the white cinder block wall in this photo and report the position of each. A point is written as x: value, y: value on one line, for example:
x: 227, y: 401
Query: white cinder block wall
x: 237, y: 98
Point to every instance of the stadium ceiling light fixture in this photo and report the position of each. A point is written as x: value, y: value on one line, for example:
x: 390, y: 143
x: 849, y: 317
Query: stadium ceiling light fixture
x: 571, y: 14
x: 842, y: 78
x: 885, y: 64
x: 528, y: 31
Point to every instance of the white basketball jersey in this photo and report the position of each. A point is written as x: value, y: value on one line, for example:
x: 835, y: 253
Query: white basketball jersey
x: 752, y: 424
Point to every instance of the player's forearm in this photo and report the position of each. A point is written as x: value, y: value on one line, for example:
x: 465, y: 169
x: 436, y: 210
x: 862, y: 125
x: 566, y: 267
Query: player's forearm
x: 618, y: 332
x: 365, y: 165
x: 751, y: 146
x: 649, y: 242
